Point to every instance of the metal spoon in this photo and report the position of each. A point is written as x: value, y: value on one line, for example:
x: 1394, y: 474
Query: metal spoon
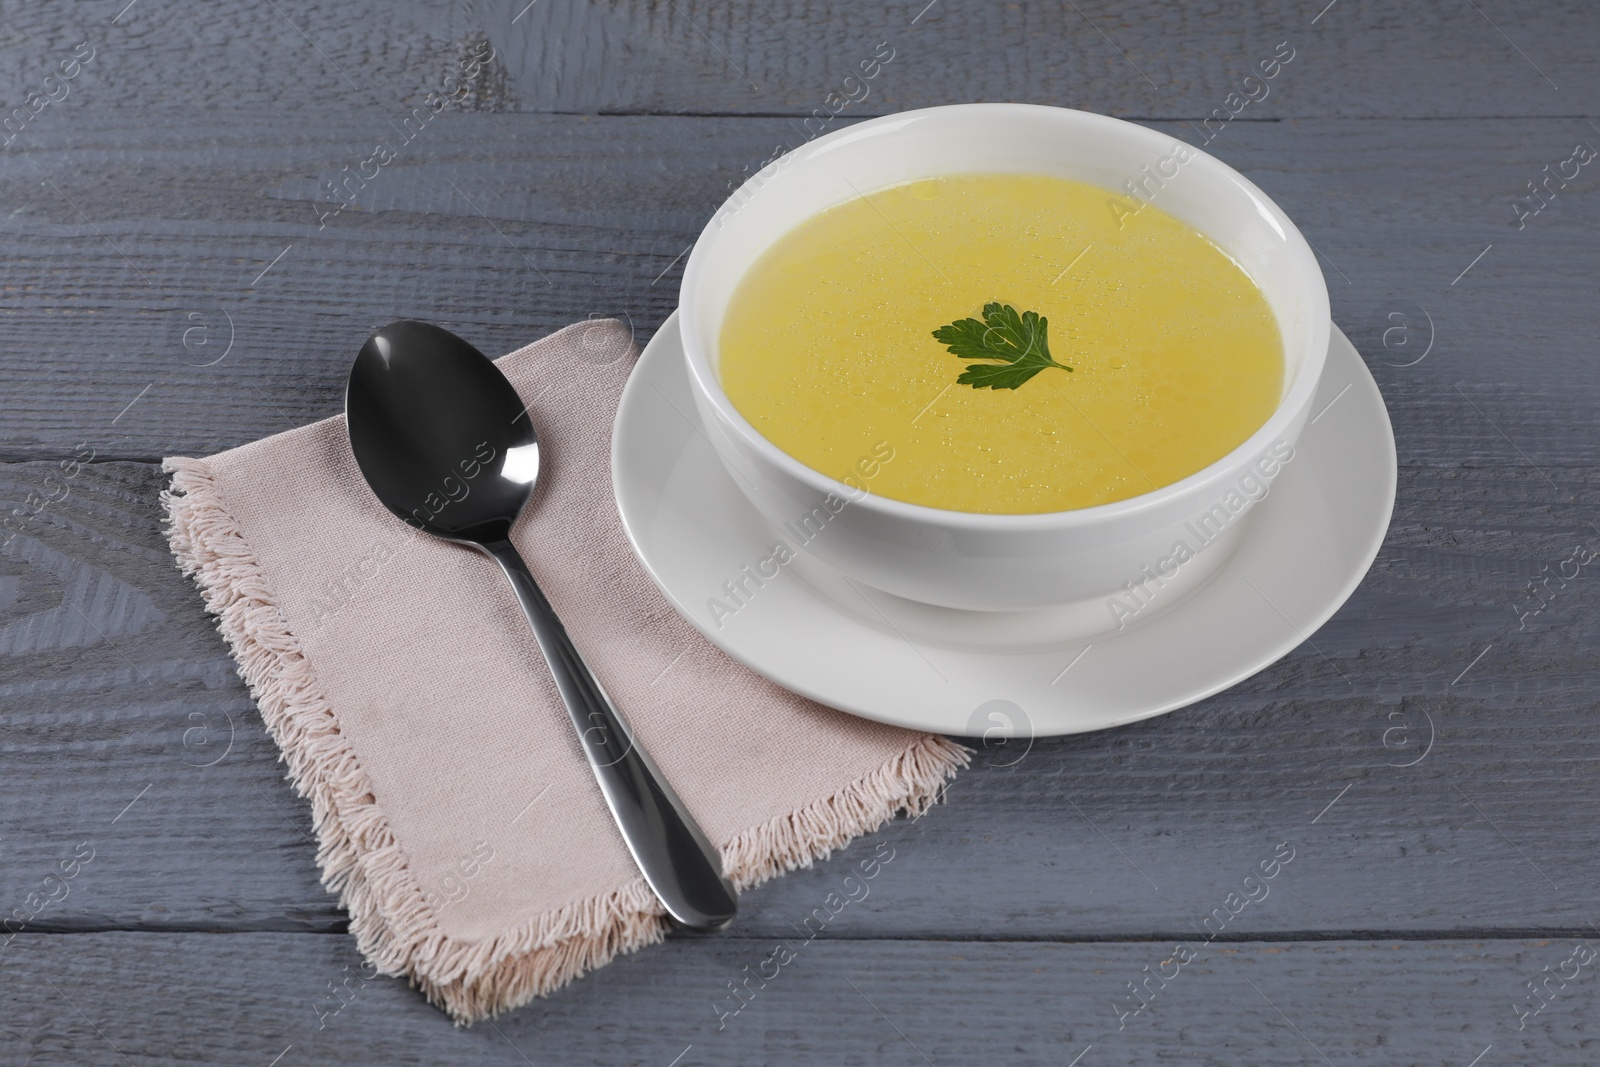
x: 444, y: 441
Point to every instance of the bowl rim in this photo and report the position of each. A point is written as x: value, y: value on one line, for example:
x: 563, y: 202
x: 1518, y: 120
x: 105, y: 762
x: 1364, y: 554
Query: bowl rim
x: 1290, y: 407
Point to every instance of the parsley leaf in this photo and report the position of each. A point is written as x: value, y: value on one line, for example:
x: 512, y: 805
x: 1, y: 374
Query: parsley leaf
x: 1019, y: 345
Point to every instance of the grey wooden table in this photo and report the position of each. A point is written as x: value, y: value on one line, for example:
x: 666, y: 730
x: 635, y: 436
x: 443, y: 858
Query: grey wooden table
x: 174, y: 279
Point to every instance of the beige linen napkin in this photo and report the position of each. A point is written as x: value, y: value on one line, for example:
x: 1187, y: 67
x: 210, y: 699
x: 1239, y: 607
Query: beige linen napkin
x: 457, y: 818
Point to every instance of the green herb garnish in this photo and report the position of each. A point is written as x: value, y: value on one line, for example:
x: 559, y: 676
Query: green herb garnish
x: 1019, y: 344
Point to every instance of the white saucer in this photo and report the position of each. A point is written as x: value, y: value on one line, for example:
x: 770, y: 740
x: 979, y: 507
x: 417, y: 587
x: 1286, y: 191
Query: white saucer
x: 1303, y: 551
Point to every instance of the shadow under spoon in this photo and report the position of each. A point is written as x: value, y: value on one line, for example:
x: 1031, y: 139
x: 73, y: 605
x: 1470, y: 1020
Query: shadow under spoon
x: 445, y: 443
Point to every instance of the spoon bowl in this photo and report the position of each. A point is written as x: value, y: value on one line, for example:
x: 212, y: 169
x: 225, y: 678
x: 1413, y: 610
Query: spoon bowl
x: 439, y: 433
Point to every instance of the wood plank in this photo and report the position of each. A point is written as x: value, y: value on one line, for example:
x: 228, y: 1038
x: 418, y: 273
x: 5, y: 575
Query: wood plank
x: 299, y: 58
x: 1142, y: 58
x: 114, y: 680
x: 586, y: 217
x: 1131, y: 832
x: 121, y: 998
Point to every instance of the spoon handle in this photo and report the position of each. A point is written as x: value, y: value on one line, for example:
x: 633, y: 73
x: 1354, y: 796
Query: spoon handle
x: 670, y: 849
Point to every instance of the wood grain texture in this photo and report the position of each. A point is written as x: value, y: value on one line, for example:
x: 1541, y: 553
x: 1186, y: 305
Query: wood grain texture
x: 1143, y: 58
x: 120, y: 998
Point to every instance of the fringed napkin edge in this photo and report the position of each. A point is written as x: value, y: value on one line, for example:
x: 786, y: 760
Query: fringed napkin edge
x: 364, y: 865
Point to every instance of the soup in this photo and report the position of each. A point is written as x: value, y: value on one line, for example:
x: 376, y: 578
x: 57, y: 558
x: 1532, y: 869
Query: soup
x: 829, y: 346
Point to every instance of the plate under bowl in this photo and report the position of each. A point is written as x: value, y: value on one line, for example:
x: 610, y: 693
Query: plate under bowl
x: 1305, y: 549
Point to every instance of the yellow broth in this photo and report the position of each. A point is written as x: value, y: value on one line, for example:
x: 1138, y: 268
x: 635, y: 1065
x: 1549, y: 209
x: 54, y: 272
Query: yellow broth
x: 828, y: 348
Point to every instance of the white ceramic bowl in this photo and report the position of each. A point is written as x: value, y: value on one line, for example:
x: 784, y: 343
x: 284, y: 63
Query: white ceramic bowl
x: 1007, y: 562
